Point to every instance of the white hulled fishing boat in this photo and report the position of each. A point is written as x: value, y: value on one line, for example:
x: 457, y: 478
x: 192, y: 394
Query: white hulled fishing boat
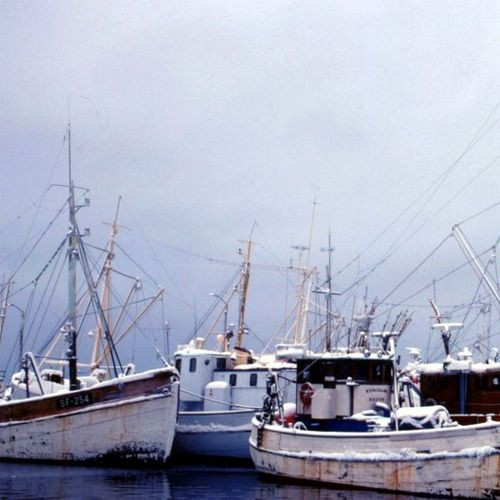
x: 344, y: 433
x: 222, y: 388
x: 112, y: 414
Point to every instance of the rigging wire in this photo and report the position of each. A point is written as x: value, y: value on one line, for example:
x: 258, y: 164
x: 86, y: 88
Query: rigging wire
x: 88, y: 276
x: 41, y: 301
x: 44, y: 232
x: 155, y: 256
x: 152, y: 280
x: 439, y: 180
x: 37, y: 204
x: 444, y: 276
x: 215, y: 304
x: 416, y: 268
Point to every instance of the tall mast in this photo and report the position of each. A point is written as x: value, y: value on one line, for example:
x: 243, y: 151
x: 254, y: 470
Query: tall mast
x: 73, y: 257
x: 304, y: 285
x: 329, y: 293
x: 106, y: 291
x: 245, y: 278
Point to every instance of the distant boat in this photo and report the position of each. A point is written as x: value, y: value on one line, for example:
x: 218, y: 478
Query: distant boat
x: 112, y: 415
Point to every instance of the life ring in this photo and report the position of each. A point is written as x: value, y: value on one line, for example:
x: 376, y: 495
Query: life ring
x: 306, y: 393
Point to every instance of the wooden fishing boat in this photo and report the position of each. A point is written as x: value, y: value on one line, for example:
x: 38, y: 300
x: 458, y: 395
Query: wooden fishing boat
x: 460, y: 461
x: 102, y: 423
x: 222, y: 388
x: 110, y: 414
x: 411, y: 450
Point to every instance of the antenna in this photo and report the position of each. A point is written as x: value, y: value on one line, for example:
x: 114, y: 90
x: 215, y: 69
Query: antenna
x: 328, y: 292
x: 311, y: 232
x: 445, y: 328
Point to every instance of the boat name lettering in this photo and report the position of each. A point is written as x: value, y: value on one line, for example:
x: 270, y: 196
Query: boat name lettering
x: 74, y: 401
x: 369, y: 391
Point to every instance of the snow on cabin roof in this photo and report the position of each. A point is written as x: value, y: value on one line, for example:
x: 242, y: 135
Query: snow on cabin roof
x: 347, y: 355
x: 187, y: 350
x: 271, y: 365
x: 457, y: 366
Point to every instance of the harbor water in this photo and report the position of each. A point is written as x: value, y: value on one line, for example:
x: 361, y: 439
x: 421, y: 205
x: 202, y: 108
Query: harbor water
x: 181, y: 482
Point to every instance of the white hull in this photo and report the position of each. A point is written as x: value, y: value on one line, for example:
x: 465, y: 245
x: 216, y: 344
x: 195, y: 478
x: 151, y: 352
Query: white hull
x: 457, y: 461
x: 140, y: 428
x: 214, y: 433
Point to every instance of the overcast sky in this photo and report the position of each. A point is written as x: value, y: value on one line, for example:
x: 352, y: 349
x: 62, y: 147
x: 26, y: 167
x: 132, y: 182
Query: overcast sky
x: 208, y: 116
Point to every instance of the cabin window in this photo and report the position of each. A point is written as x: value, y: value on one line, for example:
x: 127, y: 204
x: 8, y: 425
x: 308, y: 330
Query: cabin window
x: 362, y: 371
x: 192, y: 365
x: 344, y: 370
x: 232, y: 379
x: 207, y: 362
x: 253, y: 379
x: 221, y: 363
x: 178, y: 364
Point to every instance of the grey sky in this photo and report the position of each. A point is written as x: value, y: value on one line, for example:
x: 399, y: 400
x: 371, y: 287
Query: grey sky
x: 207, y: 116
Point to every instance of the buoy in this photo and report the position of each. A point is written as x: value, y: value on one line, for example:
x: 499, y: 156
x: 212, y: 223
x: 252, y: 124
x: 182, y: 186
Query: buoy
x: 306, y: 393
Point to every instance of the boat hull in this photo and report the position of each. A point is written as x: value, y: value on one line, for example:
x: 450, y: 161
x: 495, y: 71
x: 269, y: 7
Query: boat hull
x: 214, y: 433
x: 136, y: 427
x: 407, y: 461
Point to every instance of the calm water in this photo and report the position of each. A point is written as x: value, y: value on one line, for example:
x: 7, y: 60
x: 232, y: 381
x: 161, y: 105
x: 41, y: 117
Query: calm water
x: 177, y: 482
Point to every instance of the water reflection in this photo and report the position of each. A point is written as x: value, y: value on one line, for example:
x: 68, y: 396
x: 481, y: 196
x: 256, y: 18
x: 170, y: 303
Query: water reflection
x: 179, y: 482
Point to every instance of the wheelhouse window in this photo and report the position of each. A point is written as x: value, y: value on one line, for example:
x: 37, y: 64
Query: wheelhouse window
x: 253, y: 379
x: 232, y: 379
x: 192, y: 365
x: 178, y: 364
x: 324, y: 372
x: 221, y: 363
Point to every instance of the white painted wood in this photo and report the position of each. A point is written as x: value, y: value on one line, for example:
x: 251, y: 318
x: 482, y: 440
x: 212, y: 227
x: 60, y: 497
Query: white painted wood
x: 459, y: 461
x: 141, y: 428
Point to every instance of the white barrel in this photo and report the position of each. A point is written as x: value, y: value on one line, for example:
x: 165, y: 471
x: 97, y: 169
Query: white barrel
x: 217, y: 396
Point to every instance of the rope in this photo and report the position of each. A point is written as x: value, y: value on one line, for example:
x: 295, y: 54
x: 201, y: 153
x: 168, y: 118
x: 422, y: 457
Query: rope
x: 444, y: 276
x: 205, y: 398
x: 416, y: 268
x: 439, y: 180
x: 44, y: 232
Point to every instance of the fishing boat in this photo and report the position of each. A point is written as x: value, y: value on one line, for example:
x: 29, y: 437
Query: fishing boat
x: 468, y: 387
x: 52, y: 411
x: 347, y: 429
x: 467, y: 384
x: 223, y: 387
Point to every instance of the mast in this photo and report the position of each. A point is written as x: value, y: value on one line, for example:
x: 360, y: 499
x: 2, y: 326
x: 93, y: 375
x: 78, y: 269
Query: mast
x: 307, y: 274
x: 106, y: 291
x: 329, y: 293
x: 477, y: 265
x: 305, y: 313
x: 245, y: 278
x: 73, y: 257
